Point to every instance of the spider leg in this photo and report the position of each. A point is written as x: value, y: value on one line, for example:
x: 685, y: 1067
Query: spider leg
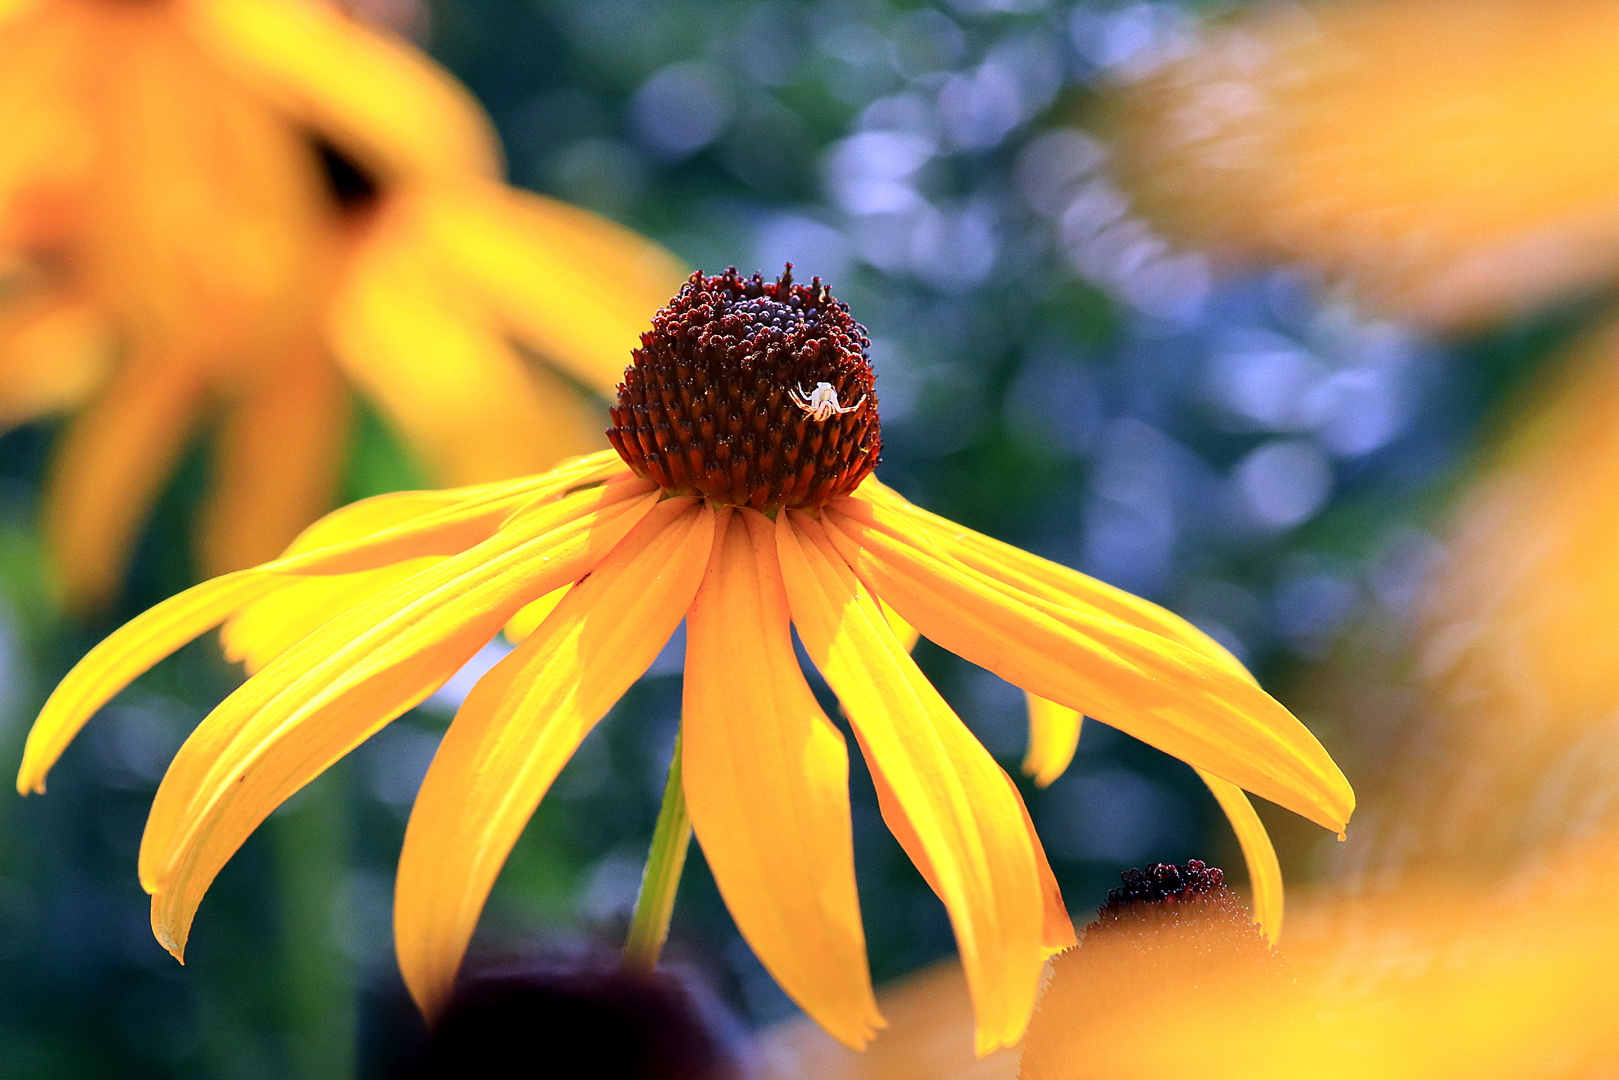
x: 851, y: 408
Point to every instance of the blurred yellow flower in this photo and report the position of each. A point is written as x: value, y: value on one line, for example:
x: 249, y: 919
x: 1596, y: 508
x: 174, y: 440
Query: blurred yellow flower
x: 1431, y: 981
x: 232, y: 211
x: 748, y: 425
x: 1448, y: 159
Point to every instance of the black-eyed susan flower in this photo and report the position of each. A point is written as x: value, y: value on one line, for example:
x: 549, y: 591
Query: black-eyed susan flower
x: 238, y: 211
x: 730, y: 502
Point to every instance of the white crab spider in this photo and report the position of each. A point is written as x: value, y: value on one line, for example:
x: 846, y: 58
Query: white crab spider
x: 822, y: 402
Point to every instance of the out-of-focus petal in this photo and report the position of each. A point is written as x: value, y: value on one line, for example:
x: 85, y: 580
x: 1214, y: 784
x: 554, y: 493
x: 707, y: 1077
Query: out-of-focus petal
x: 374, y: 95
x: 275, y: 464
x: 11, y: 9
x: 954, y: 800
x: 53, y: 355
x: 521, y: 724
x: 125, y: 654
x: 767, y: 787
x: 1053, y: 738
x: 1516, y: 642
x: 1450, y: 158
x: 335, y: 688
x: 574, y: 287
x: 1163, y: 693
x: 107, y: 471
x: 430, y: 355
x: 1264, y: 871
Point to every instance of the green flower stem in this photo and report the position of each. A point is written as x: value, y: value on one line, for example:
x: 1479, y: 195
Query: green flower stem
x: 649, y: 927
x: 311, y: 844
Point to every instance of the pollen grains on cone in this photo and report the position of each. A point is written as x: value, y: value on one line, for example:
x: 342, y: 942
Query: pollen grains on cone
x: 707, y: 406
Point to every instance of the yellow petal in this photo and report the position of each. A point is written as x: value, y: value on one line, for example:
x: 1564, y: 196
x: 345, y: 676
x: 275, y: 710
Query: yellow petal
x: 1056, y: 929
x: 11, y: 9
x: 522, y: 723
x: 424, y: 346
x: 575, y: 288
x: 1053, y: 738
x: 1264, y: 872
x: 529, y: 618
x: 767, y: 786
x: 53, y: 354
x: 410, y: 524
x: 107, y: 470
x: 275, y: 464
x: 1018, y: 569
x: 340, y: 684
x: 125, y: 654
x: 445, y: 531
x: 262, y: 630
x: 1164, y: 694
x: 955, y: 801
x: 375, y: 96
x: 904, y: 632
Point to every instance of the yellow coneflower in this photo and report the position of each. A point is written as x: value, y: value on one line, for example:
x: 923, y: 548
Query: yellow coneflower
x: 241, y: 208
x: 739, y: 499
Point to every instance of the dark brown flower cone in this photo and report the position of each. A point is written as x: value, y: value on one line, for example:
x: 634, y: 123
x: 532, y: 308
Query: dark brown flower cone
x: 1171, y: 938
x: 707, y: 406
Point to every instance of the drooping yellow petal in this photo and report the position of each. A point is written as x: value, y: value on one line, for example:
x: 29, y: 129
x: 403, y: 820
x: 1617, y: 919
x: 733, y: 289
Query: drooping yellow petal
x: 340, y: 684
x: 767, y: 786
x: 1053, y: 738
x: 373, y: 95
x: 1264, y: 871
x: 979, y: 854
x: 1057, y: 929
x: 125, y: 654
x: 573, y: 287
x: 262, y: 630
x: 412, y: 524
x: 107, y: 471
x: 521, y: 724
x: 429, y: 353
x: 529, y: 618
x: 1018, y: 569
x: 1163, y: 693
x: 275, y: 464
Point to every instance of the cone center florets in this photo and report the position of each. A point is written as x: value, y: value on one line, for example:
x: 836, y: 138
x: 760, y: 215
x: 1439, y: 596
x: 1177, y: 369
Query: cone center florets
x: 750, y: 393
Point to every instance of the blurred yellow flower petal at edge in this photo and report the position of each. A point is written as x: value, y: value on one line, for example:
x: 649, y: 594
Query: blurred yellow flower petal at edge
x: 380, y: 94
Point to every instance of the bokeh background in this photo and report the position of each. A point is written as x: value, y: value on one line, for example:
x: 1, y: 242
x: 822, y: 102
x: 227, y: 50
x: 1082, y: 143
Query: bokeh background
x: 1254, y: 449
